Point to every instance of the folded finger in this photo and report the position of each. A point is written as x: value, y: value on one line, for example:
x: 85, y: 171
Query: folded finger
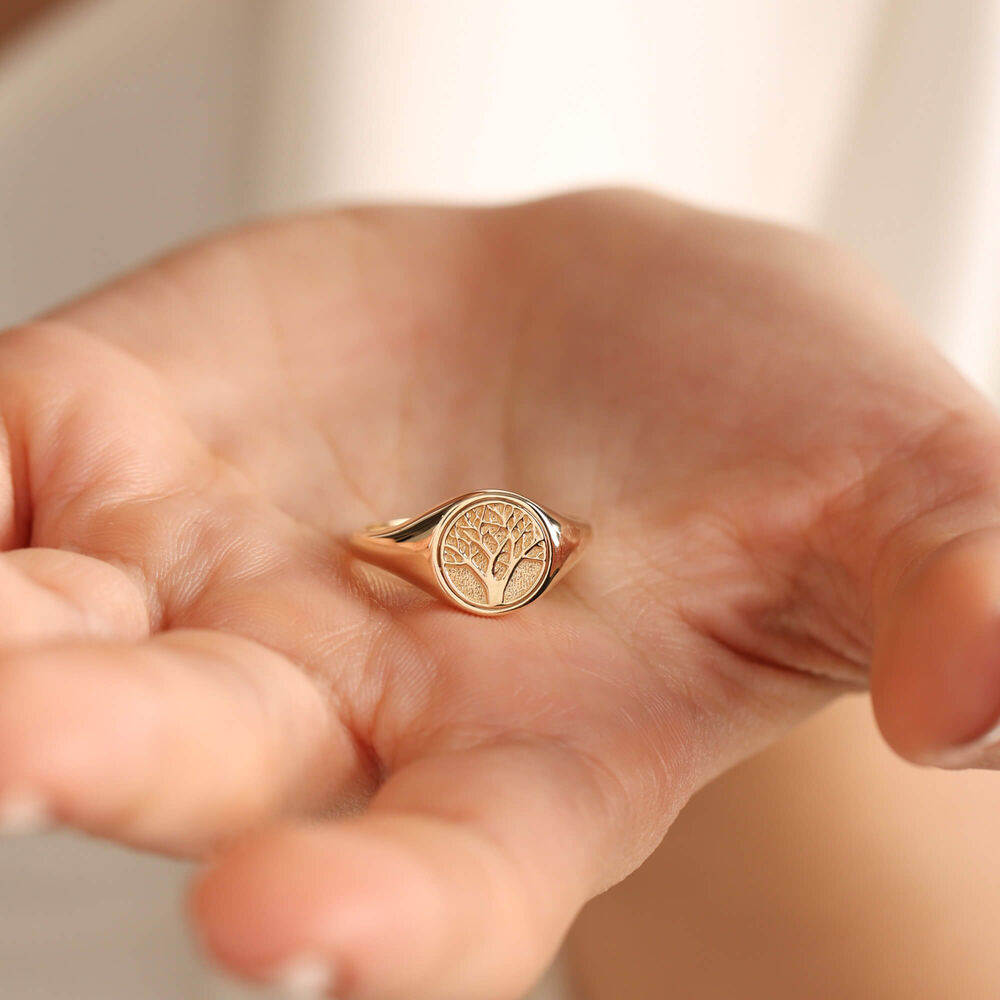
x: 936, y: 666
x: 49, y: 594
x: 173, y: 743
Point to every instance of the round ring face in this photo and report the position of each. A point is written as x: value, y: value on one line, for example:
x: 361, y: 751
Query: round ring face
x: 493, y: 553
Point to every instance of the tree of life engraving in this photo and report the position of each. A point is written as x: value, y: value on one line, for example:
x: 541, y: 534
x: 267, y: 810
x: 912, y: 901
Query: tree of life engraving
x: 494, y: 553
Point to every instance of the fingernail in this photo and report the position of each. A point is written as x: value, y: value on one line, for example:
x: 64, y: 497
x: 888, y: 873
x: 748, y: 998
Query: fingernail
x: 303, y: 978
x: 983, y: 751
x: 23, y: 814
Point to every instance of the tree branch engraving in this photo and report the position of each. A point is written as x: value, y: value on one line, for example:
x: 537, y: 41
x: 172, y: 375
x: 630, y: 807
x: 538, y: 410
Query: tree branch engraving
x: 492, y: 540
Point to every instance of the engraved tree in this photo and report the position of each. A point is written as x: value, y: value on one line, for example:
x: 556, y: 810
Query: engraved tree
x: 492, y: 540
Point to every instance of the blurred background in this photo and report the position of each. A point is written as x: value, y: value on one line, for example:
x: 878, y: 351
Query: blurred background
x: 824, y: 867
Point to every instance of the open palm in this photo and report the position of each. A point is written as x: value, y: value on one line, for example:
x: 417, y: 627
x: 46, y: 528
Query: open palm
x: 781, y: 479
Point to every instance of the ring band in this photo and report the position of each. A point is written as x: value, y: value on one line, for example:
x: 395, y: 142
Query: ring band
x: 487, y: 552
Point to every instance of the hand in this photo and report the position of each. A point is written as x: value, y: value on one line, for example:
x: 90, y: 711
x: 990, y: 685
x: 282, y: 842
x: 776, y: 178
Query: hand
x: 785, y: 483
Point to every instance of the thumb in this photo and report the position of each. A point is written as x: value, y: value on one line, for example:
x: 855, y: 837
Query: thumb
x: 936, y: 659
x: 457, y: 883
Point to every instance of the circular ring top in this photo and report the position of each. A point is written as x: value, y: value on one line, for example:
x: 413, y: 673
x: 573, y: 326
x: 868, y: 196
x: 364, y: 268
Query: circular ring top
x: 493, y: 553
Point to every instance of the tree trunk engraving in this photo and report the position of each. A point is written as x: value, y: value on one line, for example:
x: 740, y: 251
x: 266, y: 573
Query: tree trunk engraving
x: 494, y: 543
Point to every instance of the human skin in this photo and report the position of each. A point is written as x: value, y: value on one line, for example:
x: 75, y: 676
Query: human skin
x: 786, y: 483
x: 16, y: 15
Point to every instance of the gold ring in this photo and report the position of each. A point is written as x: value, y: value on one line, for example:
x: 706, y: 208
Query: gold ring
x: 487, y: 552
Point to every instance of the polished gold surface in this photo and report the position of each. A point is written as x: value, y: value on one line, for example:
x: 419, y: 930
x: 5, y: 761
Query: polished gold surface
x: 488, y: 552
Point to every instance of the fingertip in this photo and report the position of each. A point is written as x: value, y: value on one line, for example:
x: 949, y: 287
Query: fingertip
x: 248, y: 905
x: 67, y: 727
x: 936, y: 661
x: 330, y: 894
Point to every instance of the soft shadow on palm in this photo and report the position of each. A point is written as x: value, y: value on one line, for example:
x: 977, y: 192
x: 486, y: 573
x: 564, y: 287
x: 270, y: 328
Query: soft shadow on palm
x: 741, y: 416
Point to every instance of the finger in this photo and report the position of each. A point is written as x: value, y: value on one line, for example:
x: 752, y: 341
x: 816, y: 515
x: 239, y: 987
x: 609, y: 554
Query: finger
x: 13, y: 512
x: 174, y: 743
x: 48, y: 595
x: 936, y: 661
x: 93, y: 457
x: 458, y: 883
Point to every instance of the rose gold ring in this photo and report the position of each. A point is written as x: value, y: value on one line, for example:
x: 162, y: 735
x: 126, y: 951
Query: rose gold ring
x: 487, y: 552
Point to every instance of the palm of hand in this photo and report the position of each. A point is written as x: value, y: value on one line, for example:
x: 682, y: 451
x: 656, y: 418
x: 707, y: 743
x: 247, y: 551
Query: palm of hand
x: 191, y: 655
